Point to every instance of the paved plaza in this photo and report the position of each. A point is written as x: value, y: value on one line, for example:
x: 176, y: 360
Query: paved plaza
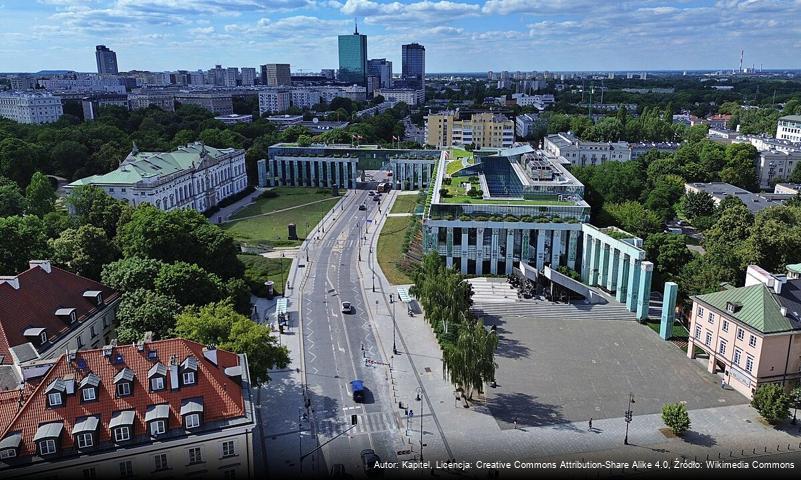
x: 563, y: 363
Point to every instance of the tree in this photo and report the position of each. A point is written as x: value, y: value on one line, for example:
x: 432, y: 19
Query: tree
x: 304, y: 140
x: 40, y: 195
x: 664, y: 196
x: 189, y: 284
x: 632, y: 217
x: 20, y: 159
x: 676, y: 418
x: 132, y: 273
x: 772, y: 403
x: 11, y: 200
x: 795, y: 399
x: 21, y: 239
x: 669, y: 253
x: 470, y: 362
x: 795, y: 177
x: 92, y: 206
x: 68, y: 156
x: 143, y: 311
x: 697, y: 204
x: 219, y: 324
x: 83, y: 250
x: 740, y: 169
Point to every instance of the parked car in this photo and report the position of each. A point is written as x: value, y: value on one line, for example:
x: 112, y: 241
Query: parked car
x: 347, y: 307
x: 377, y: 198
x: 369, y: 460
x: 362, y: 207
x: 357, y: 387
x: 371, y: 193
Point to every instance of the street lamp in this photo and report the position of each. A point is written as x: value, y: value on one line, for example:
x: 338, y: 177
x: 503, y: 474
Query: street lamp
x: 283, y: 283
x: 628, y: 418
x: 394, y: 326
x: 420, y: 399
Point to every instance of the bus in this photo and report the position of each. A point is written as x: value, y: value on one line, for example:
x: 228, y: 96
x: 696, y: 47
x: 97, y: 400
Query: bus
x: 383, y: 187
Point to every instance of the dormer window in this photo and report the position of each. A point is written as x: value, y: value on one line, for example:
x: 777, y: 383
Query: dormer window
x: 121, y: 425
x: 189, y: 369
x: 732, y: 307
x: 37, y: 335
x: 156, y: 377
x: 47, y: 438
x: 192, y: 412
x: 56, y: 392
x: 68, y: 315
x: 88, y: 387
x: 96, y: 296
x: 9, y: 446
x: 123, y: 382
x: 157, y: 417
x: 85, y: 432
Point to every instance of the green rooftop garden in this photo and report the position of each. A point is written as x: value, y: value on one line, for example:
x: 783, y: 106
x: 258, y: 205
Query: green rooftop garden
x: 456, y: 163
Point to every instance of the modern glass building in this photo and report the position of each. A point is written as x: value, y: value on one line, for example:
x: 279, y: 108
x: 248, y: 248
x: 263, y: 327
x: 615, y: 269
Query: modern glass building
x: 353, y: 58
x: 414, y: 65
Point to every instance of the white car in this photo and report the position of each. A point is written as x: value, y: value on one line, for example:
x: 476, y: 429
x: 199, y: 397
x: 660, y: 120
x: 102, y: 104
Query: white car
x: 347, y: 307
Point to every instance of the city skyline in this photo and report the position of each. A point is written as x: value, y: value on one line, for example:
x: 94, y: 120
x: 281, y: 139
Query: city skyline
x: 500, y: 34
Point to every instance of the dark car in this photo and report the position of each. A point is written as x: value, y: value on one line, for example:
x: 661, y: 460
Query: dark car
x: 369, y: 460
x: 371, y: 193
x: 377, y: 198
x: 362, y: 207
x: 357, y: 386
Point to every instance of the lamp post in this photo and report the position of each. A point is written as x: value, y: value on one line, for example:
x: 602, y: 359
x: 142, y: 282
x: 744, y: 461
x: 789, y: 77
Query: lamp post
x: 628, y: 418
x: 394, y: 326
x: 283, y: 283
x: 420, y: 399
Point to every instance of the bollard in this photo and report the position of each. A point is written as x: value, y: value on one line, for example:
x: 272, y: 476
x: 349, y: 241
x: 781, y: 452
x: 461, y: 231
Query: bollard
x: 718, y: 454
x: 730, y: 453
x: 742, y: 452
x: 766, y: 449
x: 788, y: 446
x: 707, y: 457
x: 755, y: 451
x: 778, y: 448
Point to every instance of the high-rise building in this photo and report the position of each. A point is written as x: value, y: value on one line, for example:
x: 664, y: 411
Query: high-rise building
x: 276, y: 75
x: 248, y: 76
x: 414, y: 65
x: 106, y: 60
x: 381, y: 68
x: 231, y: 76
x: 482, y: 130
x: 353, y: 58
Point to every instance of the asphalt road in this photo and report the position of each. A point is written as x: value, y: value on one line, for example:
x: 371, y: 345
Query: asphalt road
x: 336, y: 346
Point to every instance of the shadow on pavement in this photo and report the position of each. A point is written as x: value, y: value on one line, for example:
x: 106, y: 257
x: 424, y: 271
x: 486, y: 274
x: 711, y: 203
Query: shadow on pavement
x: 508, y: 347
x: 507, y: 408
x: 702, y: 439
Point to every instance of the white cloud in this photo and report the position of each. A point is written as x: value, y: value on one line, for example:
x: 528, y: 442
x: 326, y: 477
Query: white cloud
x: 425, y: 11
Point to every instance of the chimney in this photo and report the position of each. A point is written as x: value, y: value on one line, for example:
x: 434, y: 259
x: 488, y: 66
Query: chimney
x: 210, y: 352
x: 173, y: 369
x: 784, y: 311
x: 43, y: 264
x: 13, y: 281
x: 148, y: 337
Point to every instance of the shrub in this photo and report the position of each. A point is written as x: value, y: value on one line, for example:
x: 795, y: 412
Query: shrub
x: 447, y: 180
x: 772, y: 403
x: 443, y: 192
x: 269, y: 194
x: 676, y: 418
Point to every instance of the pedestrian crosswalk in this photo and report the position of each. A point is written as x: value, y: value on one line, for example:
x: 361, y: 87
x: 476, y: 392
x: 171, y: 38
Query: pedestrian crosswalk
x: 553, y: 311
x: 366, y: 423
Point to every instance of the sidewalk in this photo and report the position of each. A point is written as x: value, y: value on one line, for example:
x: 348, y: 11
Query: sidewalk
x: 472, y: 433
x: 225, y: 212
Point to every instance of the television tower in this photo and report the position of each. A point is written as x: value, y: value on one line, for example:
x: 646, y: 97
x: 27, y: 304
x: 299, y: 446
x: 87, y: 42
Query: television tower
x: 741, y: 61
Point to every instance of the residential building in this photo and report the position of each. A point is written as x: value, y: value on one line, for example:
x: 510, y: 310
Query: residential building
x: 234, y: 118
x: 169, y: 407
x: 787, y: 188
x: 407, y: 95
x: 45, y: 311
x: 777, y: 157
x: 106, y: 60
x: 276, y: 75
x: 21, y: 83
x: 482, y: 130
x: 194, y: 176
x: 718, y: 121
x: 84, y: 83
x: 90, y: 104
x: 525, y: 124
x: 285, y: 120
x: 540, y: 102
x: 374, y: 110
x: 248, y: 76
x: 381, y: 68
x: 413, y: 65
x: 197, y: 78
x: 789, y: 128
x: 274, y: 100
x: 218, y: 103
x: 305, y: 98
x: 328, y: 73
x: 353, y: 58
x: 357, y: 93
x: 216, y: 76
x: 751, y: 334
x: 231, y: 77
x: 144, y: 99
x: 30, y: 107
x: 639, y: 149
x: 755, y: 202
x: 568, y: 148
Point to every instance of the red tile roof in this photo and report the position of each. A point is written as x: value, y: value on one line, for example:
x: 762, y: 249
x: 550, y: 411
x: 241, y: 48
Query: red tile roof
x: 39, y: 295
x: 222, y: 396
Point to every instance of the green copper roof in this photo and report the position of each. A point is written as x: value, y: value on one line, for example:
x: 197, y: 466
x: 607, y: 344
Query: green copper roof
x: 791, y: 118
x: 759, y: 310
x: 795, y: 268
x: 139, y: 166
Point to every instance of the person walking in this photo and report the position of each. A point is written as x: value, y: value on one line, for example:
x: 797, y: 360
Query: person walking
x: 590, y: 424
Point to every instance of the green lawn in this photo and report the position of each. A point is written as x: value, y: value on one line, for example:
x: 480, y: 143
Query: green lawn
x: 404, y: 204
x: 678, y: 330
x: 271, y: 230
x: 259, y: 269
x: 390, y: 249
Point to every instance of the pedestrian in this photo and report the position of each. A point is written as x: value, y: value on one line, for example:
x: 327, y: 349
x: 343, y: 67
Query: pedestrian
x: 515, y: 423
x: 590, y: 424
x: 723, y: 384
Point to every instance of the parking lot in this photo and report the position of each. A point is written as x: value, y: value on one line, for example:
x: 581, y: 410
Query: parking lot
x: 555, y: 367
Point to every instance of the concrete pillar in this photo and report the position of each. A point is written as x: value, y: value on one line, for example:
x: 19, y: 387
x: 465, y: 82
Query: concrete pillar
x: 449, y: 247
x: 586, y: 261
x: 644, y: 290
x: 432, y: 241
x: 603, y: 271
x: 479, y: 251
x: 428, y: 174
x: 634, y: 279
x: 510, y: 246
x: 668, y: 310
x: 595, y: 253
x: 403, y: 176
x: 463, y: 250
x: 296, y: 173
x: 572, y: 246
x: 611, y: 282
x: 494, y: 252
x: 337, y: 181
x: 355, y: 171
x: 541, y: 249
x: 556, y: 249
x: 524, y: 245
x: 622, y: 277
x: 273, y: 173
x: 420, y: 176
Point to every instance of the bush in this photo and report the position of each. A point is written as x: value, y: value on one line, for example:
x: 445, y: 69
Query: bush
x: 772, y: 403
x: 676, y: 418
x: 443, y: 192
x: 447, y: 180
x: 269, y: 194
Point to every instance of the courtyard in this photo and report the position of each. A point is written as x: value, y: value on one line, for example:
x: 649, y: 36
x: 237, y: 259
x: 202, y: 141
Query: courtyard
x: 569, y: 363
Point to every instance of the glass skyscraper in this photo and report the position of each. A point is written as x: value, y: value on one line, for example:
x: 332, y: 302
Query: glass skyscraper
x: 413, y: 68
x: 353, y: 58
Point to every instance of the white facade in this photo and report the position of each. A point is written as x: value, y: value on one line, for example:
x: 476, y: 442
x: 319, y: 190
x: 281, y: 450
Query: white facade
x: 305, y: 97
x: 524, y: 124
x: 579, y: 152
x: 85, y: 83
x: 789, y: 128
x: 248, y: 75
x: 30, y: 107
x: 274, y: 100
x: 409, y: 96
x: 165, y: 101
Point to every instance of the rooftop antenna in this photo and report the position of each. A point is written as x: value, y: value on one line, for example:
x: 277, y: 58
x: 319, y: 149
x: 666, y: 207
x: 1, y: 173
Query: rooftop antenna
x: 741, y: 61
x: 355, y: 26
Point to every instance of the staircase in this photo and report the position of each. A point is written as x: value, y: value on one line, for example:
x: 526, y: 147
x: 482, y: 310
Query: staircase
x: 539, y: 309
x: 414, y: 255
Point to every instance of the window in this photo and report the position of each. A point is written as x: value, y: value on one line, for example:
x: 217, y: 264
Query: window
x: 157, y: 383
x: 725, y: 326
x: 698, y: 332
x: 88, y: 394
x: 749, y: 363
x: 123, y: 389
x: 195, y: 456
x: 161, y: 461
x: 737, y: 353
x: 192, y: 420
x: 92, y: 331
x: 54, y: 399
x: 740, y: 333
x: 43, y: 337
x: 79, y: 341
x: 189, y: 378
x: 228, y: 449
x: 700, y: 312
x: 722, y: 347
x: 122, y: 434
x: 47, y: 447
x: 708, y: 339
x: 89, y: 473
x: 126, y: 469
x: 752, y: 340
x: 84, y: 440
x: 711, y: 317
x: 229, y: 474
x: 8, y: 453
x: 157, y: 427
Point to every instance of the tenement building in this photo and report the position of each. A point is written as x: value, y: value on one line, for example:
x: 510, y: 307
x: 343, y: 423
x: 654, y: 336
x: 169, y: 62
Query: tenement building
x: 481, y: 130
x: 194, y: 176
x: 172, y: 407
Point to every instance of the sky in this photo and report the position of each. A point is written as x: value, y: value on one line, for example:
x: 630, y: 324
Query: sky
x: 459, y: 35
